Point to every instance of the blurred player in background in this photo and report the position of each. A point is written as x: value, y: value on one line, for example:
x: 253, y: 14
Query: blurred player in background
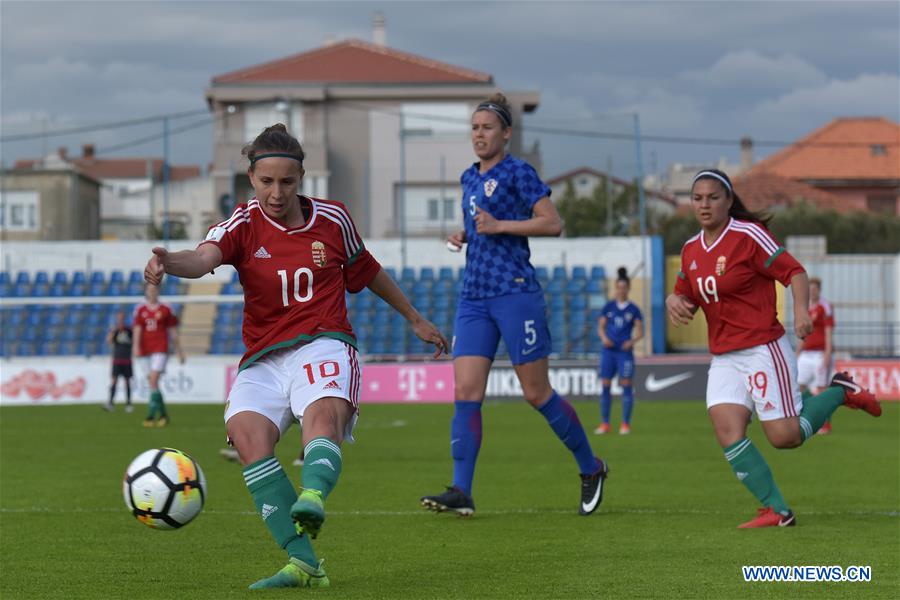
x: 729, y: 270
x: 119, y: 338
x: 504, y: 202
x: 155, y: 326
x: 816, y: 359
x: 621, y: 326
x: 296, y: 258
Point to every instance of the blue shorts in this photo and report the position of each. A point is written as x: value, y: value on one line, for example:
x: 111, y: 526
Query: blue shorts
x: 616, y: 361
x: 520, y: 318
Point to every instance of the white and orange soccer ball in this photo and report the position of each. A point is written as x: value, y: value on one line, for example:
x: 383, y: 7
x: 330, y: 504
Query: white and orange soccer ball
x: 164, y: 488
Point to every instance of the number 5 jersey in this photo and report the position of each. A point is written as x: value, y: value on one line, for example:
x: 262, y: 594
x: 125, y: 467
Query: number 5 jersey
x: 733, y: 281
x: 294, y: 279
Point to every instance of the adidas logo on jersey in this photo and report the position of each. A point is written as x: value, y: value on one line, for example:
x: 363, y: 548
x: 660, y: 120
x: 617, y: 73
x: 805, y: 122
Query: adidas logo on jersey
x: 693, y: 265
x: 267, y: 510
x: 769, y: 406
x: 741, y: 475
x: 332, y: 385
x: 262, y: 253
x: 323, y: 461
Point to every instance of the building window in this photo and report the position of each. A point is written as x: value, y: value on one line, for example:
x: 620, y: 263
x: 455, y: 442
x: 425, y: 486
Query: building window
x: 436, y: 119
x: 433, y: 214
x: 882, y: 203
x: 259, y: 116
x: 879, y: 150
x: 449, y: 212
x: 19, y: 211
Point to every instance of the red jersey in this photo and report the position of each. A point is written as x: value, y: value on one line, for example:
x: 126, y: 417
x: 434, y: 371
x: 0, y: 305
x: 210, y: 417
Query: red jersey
x: 294, y: 279
x: 822, y: 316
x: 154, y: 322
x: 733, y: 281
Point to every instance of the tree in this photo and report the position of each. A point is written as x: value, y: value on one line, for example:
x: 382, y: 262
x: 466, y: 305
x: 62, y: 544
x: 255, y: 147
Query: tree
x: 587, y: 216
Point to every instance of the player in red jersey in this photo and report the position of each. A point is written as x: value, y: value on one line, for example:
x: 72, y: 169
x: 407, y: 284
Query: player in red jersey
x: 814, y: 363
x: 729, y: 270
x: 296, y: 257
x: 154, y: 323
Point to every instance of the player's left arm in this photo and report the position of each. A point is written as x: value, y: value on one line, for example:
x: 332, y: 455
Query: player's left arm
x: 544, y: 222
x: 800, y: 293
x: 383, y: 286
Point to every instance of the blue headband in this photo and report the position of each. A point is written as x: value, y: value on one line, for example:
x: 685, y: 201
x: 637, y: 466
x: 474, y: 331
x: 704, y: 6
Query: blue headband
x: 498, y: 110
x: 724, y: 181
x: 275, y: 154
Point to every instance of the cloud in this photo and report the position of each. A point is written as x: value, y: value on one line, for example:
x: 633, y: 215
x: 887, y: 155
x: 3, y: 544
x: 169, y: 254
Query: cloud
x: 745, y: 70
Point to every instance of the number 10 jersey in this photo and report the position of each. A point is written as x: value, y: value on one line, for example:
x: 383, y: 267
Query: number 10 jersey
x: 294, y: 280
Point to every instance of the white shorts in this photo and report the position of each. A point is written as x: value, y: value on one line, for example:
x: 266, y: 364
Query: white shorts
x: 154, y: 362
x: 761, y: 378
x: 283, y: 383
x: 812, y: 372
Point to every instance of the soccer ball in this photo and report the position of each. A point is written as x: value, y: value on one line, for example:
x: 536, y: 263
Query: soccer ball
x: 164, y: 488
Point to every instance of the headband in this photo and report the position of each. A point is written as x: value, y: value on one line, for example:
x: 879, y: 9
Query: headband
x: 498, y: 110
x: 724, y: 181
x: 275, y: 154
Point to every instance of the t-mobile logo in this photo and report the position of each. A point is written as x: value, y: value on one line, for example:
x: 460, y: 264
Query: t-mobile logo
x: 411, y: 382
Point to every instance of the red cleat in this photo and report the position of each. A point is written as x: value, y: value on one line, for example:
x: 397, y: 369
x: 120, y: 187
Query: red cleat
x: 602, y: 429
x: 855, y: 396
x: 824, y: 429
x: 766, y: 517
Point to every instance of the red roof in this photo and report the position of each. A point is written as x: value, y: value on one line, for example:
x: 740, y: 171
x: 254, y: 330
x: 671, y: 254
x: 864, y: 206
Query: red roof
x: 354, y: 61
x: 122, y: 168
x: 764, y: 190
x: 861, y: 148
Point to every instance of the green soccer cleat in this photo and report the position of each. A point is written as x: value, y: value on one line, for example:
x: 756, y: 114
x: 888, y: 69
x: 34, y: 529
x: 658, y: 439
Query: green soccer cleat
x: 308, y: 513
x: 295, y: 574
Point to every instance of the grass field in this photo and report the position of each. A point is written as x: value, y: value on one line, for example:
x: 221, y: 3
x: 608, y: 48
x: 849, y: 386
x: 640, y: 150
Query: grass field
x: 666, y: 527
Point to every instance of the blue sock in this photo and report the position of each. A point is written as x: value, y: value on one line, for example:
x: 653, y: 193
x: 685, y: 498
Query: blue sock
x: 465, y: 441
x: 565, y: 424
x: 605, y: 404
x: 627, y: 403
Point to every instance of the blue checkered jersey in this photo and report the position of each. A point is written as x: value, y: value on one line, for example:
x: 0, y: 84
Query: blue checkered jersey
x: 620, y: 320
x: 497, y: 265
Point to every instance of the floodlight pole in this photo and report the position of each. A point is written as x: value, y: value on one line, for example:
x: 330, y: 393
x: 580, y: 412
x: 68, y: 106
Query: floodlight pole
x: 165, y: 182
x: 642, y: 209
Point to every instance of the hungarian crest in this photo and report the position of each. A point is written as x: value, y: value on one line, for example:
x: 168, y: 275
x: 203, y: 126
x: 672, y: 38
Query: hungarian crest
x: 720, y: 266
x: 318, y: 254
x: 489, y: 186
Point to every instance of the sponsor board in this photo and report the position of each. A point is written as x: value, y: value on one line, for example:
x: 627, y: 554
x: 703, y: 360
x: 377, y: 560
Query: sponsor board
x: 880, y: 376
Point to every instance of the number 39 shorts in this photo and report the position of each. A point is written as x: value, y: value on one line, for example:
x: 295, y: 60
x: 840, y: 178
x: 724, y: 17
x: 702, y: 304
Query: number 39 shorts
x: 762, y: 378
x: 283, y: 383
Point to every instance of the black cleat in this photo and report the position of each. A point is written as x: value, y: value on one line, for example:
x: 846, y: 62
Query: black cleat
x: 592, y: 489
x: 453, y: 500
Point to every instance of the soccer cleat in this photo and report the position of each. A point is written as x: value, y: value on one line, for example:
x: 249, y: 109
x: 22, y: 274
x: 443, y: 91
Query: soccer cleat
x: 624, y: 429
x: 453, y: 500
x: 108, y: 407
x: 855, y: 396
x: 824, y: 429
x: 298, y: 462
x: 602, y: 428
x: 295, y: 574
x: 308, y: 513
x: 592, y: 489
x: 148, y: 423
x: 163, y: 421
x: 766, y: 517
x: 229, y: 454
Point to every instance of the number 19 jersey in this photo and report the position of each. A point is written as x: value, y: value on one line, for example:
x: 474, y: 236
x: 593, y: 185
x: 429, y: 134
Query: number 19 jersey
x: 294, y: 280
x: 733, y: 281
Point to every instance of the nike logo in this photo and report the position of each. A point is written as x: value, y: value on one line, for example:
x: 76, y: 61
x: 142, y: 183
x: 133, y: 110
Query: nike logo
x: 654, y: 385
x: 590, y: 506
x: 529, y: 351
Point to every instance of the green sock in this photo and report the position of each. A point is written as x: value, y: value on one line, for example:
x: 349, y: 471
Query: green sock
x: 273, y: 494
x: 322, y: 463
x: 152, y: 405
x: 751, y: 469
x: 818, y: 409
x: 161, y: 404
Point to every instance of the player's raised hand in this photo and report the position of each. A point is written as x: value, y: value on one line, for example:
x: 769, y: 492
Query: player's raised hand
x: 156, y: 266
x: 485, y: 222
x: 426, y: 331
x: 681, y: 310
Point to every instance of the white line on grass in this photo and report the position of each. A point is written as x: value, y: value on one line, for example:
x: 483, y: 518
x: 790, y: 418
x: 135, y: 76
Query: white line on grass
x: 513, y: 511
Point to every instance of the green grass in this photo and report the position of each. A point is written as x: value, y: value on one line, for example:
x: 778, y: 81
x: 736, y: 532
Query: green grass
x: 666, y: 527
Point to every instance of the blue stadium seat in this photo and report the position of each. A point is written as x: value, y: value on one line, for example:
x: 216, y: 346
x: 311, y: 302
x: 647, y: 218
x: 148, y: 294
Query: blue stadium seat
x: 41, y: 290
x: 460, y: 272
x: 598, y: 272
x: 23, y: 277
x: 4, y: 277
x: 579, y: 272
x: 5, y: 289
x: 136, y: 277
x: 559, y: 273
x: 445, y: 274
x: 117, y: 277
x: 135, y: 288
x: 426, y: 274
x: 21, y: 290
x: 41, y: 277
x: 79, y: 277
x: 57, y: 290
x: 55, y: 318
x: 98, y: 277
x: 116, y: 288
x: 408, y: 275
x: 542, y: 274
x: 237, y: 347
x: 555, y: 287
x: 96, y: 289
x: 596, y: 286
x: 60, y: 277
x: 575, y: 286
x: 235, y: 278
x: 73, y: 318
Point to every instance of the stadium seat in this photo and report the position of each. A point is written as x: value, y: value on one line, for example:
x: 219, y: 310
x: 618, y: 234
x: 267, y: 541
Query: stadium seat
x: 98, y: 277
x: 22, y: 277
x: 5, y: 289
x: 4, y: 277
x: 579, y: 272
x: 408, y: 274
x: 58, y: 290
x: 79, y: 277
x: 135, y: 288
x: 559, y: 273
x: 426, y: 274
x: 116, y: 277
x: 598, y: 272
x: 555, y: 287
x: 97, y: 289
x: 78, y: 289
x: 596, y: 286
x: 136, y: 277
x: 575, y: 286
x: 116, y: 288
x: 445, y: 274
x: 60, y: 277
x: 21, y: 290
x: 237, y: 347
x: 41, y: 277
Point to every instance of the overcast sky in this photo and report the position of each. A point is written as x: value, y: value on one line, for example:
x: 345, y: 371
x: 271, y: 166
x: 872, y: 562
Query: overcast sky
x: 771, y: 70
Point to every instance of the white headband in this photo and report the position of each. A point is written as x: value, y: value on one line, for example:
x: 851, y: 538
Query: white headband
x: 717, y: 176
